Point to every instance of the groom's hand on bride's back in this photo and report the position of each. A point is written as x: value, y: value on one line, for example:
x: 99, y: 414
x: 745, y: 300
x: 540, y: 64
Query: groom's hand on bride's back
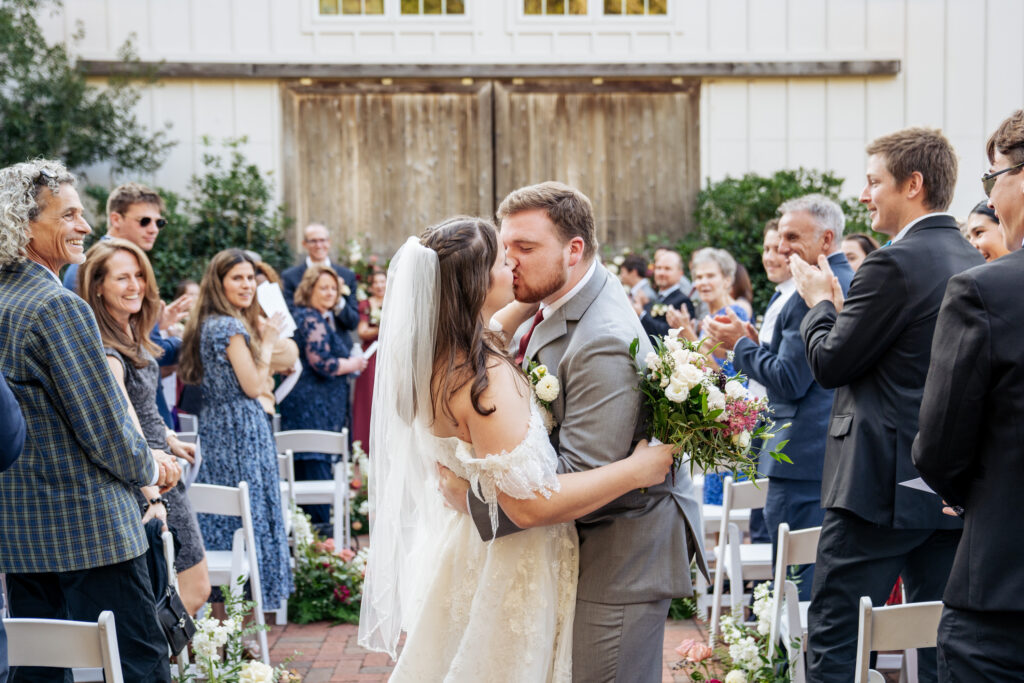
x: 651, y: 463
x: 453, y: 489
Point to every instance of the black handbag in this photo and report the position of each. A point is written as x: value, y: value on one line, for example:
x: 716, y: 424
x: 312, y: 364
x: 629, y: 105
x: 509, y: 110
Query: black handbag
x: 174, y: 620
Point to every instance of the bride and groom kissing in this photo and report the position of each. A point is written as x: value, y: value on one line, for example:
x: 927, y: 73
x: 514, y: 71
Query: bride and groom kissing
x: 499, y: 583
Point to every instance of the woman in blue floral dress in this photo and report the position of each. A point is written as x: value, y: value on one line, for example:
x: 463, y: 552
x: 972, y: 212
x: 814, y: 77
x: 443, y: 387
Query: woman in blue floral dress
x: 713, y: 271
x: 226, y: 350
x: 319, y: 399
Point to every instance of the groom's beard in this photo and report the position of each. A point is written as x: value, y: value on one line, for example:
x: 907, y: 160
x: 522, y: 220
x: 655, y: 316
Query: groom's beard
x: 539, y: 290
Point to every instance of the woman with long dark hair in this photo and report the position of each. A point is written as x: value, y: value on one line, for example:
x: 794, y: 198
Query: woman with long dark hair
x: 226, y: 350
x: 447, y: 394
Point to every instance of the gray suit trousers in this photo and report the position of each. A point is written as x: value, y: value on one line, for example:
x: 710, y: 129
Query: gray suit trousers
x: 618, y: 643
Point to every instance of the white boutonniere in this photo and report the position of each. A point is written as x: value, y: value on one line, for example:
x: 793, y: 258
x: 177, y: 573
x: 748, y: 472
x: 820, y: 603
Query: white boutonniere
x: 659, y: 310
x: 545, y: 388
x: 345, y: 291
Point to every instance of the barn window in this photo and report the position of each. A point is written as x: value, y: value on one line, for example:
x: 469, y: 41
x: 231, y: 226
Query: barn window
x: 564, y: 7
x: 635, y: 7
x: 433, y: 7
x: 352, y: 7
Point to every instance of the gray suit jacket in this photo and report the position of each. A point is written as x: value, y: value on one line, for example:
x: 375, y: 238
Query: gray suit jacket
x: 638, y: 547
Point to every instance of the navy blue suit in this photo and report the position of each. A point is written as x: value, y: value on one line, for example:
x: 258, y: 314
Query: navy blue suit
x: 348, y: 318
x: 12, y: 439
x: 657, y: 325
x: 794, y: 491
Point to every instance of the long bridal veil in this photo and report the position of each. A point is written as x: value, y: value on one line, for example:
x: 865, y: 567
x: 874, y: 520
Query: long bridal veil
x: 405, y: 507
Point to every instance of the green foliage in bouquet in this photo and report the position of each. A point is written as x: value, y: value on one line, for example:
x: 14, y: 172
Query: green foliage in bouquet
x: 708, y: 415
x: 328, y: 581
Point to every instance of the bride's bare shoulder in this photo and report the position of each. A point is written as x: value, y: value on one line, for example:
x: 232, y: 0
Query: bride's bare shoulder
x: 505, y: 401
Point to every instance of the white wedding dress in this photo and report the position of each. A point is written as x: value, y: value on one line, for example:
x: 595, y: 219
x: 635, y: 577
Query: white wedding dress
x: 502, y: 610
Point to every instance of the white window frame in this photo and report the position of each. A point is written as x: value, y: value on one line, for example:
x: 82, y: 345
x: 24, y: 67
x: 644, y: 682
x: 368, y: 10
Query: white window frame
x: 594, y: 18
x: 392, y: 16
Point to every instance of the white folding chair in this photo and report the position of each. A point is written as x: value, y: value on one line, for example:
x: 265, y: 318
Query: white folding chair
x: 332, y: 492
x: 897, y: 627
x: 188, y: 423
x: 733, y: 558
x: 711, y: 519
x: 188, y: 437
x: 65, y: 644
x: 226, y: 566
x: 789, y: 614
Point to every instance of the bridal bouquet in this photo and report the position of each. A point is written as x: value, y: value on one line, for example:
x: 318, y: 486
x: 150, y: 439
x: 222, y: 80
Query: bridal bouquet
x: 710, y: 416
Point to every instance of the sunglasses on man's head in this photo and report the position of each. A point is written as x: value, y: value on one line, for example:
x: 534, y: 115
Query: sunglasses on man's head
x: 160, y: 222
x: 988, y: 181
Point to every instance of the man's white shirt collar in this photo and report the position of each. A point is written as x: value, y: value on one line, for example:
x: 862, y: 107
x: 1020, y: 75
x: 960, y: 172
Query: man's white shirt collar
x: 310, y: 262
x: 548, y: 309
x: 785, y: 289
x: 903, y: 233
x: 665, y: 292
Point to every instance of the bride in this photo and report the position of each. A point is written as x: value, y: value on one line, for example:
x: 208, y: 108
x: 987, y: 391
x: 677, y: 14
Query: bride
x: 446, y: 394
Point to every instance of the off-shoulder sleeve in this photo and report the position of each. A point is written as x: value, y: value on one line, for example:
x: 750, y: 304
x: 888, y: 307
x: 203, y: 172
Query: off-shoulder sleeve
x: 527, y: 470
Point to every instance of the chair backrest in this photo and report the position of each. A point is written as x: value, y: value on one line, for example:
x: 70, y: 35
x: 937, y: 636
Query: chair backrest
x: 738, y: 496
x: 897, y: 627
x: 312, y: 441
x: 219, y: 500
x: 286, y: 471
x: 188, y: 437
x: 65, y: 644
x: 188, y: 423
x: 793, y: 547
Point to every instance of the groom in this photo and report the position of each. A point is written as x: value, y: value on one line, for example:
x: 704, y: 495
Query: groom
x: 634, y: 552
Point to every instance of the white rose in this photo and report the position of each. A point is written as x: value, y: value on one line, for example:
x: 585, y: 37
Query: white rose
x: 736, y: 676
x: 687, y: 375
x: 735, y: 390
x: 652, y: 361
x: 547, y: 388
x: 618, y: 260
x: 256, y: 672
x: 742, y: 439
x: 664, y: 381
x: 677, y: 393
x: 716, y: 399
x: 673, y: 344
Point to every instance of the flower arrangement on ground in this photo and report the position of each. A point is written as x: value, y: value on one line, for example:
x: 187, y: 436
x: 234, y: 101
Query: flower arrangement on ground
x: 219, y: 648
x: 752, y: 658
x: 694, y: 405
x: 359, y: 501
x: 328, y: 580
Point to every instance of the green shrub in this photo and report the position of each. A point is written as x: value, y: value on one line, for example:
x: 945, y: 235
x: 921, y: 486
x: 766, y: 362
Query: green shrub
x: 731, y: 214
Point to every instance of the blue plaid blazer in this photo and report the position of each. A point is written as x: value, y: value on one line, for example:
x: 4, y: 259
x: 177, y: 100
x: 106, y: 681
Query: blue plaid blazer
x: 67, y: 503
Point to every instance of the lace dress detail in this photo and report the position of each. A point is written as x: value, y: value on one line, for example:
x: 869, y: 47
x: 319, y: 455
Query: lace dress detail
x: 499, y: 611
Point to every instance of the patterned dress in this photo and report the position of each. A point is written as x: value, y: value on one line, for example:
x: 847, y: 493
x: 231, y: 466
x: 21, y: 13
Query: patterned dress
x: 237, y: 445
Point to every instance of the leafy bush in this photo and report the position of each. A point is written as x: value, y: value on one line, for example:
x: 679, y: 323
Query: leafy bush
x: 47, y: 108
x: 731, y: 214
x: 230, y: 206
x: 328, y: 580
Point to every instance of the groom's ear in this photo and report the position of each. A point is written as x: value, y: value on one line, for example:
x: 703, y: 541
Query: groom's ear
x: 576, y: 247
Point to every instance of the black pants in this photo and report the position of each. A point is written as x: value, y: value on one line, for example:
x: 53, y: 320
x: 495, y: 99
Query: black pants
x: 858, y: 558
x: 81, y: 595
x: 980, y: 646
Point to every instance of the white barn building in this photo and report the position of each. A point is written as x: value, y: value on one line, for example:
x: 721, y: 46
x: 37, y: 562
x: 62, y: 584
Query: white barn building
x: 380, y: 116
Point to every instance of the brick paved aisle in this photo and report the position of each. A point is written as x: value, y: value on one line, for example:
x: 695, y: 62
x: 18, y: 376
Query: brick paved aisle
x: 330, y: 653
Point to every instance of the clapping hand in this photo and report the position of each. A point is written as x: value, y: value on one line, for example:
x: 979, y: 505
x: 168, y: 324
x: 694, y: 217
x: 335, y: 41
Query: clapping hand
x: 727, y: 332
x: 680, y: 319
x: 816, y: 284
x: 175, y: 312
x: 640, y: 301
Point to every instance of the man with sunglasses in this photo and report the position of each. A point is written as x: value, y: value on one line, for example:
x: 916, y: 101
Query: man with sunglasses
x: 873, y: 346
x: 135, y: 213
x: 970, y: 448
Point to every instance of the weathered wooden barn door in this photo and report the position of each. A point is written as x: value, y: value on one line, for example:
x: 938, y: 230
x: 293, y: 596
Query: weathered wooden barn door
x: 632, y: 146
x: 386, y: 161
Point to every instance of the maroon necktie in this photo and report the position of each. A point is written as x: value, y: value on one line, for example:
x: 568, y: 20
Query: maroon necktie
x: 521, y: 354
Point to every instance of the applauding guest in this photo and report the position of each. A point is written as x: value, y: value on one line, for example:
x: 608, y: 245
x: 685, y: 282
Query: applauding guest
x: 227, y: 351
x: 369, y: 328
x: 668, y: 277
x: 970, y: 445
x: 70, y: 538
x: 317, y: 243
x: 118, y: 283
x: 873, y: 348
x: 319, y: 399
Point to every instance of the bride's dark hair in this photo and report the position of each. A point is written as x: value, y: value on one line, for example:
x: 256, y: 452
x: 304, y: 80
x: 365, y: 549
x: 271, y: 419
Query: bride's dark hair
x: 466, y: 250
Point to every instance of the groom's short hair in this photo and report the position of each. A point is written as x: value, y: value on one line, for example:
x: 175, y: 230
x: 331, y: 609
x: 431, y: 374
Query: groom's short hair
x: 568, y: 208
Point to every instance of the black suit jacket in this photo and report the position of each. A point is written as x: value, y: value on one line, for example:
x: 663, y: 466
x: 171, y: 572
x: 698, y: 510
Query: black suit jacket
x: 970, y: 447
x: 348, y: 318
x: 12, y: 429
x: 657, y: 325
x: 875, y: 354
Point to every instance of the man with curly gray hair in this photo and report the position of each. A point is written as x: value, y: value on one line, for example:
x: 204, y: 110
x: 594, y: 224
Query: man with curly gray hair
x: 71, y: 541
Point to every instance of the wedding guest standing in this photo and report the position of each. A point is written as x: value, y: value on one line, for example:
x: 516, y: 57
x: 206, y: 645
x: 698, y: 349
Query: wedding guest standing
x: 316, y: 240
x: 70, y: 539
x: 369, y: 328
x: 857, y: 246
x: 633, y: 276
x: 668, y: 277
x: 118, y: 284
x: 970, y: 447
x: 319, y: 400
x: 873, y: 347
x: 226, y: 350
x: 985, y: 233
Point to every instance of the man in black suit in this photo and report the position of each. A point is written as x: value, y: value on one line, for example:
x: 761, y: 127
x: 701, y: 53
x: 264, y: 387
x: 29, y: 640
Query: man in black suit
x: 668, y: 277
x: 317, y: 242
x: 873, y: 348
x: 811, y: 226
x: 970, y: 448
